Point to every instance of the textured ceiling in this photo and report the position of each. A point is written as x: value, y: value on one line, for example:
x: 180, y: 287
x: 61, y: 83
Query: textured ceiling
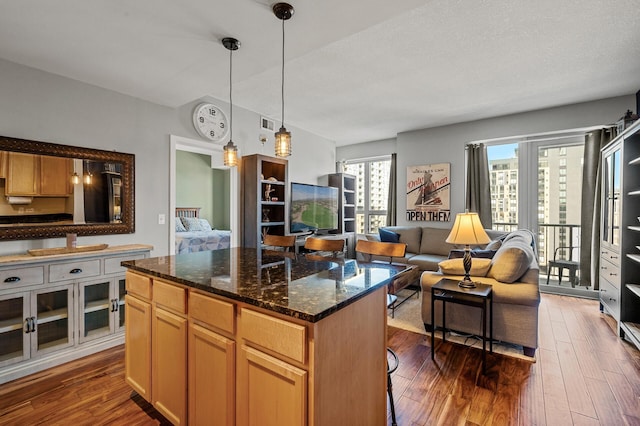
x: 356, y: 70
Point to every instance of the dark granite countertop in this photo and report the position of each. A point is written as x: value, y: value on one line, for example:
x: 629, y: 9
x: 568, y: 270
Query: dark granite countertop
x: 300, y: 286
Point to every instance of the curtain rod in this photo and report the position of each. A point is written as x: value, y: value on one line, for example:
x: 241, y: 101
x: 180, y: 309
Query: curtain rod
x: 363, y: 159
x: 557, y: 133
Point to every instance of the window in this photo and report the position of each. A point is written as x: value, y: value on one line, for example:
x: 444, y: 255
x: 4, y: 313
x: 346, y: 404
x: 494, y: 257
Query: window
x: 372, y: 192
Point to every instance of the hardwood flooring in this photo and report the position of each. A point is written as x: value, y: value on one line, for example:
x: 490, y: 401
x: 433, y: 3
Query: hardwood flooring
x: 584, y: 375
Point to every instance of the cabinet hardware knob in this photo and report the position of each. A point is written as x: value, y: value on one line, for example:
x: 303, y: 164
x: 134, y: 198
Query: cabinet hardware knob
x: 27, y: 325
x: 33, y: 324
x: 613, y: 274
x: 614, y: 257
x: 75, y: 271
x: 12, y: 280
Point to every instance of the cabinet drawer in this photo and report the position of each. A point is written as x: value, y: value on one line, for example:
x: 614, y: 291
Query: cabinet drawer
x: 74, y: 270
x: 170, y: 296
x: 610, y: 256
x: 138, y: 285
x: 280, y: 336
x: 112, y: 264
x: 610, y: 272
x: 610, y: 296
x: 214, y: 312
x: 21, y: 276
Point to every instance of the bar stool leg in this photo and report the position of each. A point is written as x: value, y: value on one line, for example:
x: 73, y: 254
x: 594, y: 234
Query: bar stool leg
x: 391, y: 369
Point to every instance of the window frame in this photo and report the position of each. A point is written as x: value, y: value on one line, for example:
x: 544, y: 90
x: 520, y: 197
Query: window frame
x: 366, y: 211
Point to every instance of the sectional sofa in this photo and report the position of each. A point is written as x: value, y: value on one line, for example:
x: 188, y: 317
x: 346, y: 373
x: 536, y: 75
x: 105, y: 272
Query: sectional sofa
x: 512, y: 270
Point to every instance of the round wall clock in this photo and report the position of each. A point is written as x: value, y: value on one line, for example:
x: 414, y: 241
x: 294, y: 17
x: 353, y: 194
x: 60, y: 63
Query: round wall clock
x: 211, y: 122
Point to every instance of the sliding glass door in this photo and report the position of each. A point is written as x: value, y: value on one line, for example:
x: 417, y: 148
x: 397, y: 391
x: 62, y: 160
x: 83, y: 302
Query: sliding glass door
x: 537, y: 185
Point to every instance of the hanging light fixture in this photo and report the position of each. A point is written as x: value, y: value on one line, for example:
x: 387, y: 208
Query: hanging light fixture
x: 283, y: 11
x: 75, y: 179
x: 230, y: 150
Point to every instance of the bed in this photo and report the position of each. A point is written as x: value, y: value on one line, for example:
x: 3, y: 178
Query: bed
x: 195, y: 234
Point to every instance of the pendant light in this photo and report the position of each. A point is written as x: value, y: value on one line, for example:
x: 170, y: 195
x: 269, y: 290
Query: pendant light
x: 283, y: 11
x: 230, y: 150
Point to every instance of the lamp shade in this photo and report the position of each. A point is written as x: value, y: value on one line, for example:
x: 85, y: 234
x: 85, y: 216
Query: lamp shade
x: 230, y: 154
x: 283, y: 143
x: 468, y: 230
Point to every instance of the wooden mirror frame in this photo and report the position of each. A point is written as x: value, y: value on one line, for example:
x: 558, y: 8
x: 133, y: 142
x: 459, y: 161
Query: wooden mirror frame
x: 44, y: 230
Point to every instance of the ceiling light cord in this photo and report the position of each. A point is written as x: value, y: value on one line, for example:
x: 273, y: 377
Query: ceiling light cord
x: 230, y: 94
x: 282, y: 85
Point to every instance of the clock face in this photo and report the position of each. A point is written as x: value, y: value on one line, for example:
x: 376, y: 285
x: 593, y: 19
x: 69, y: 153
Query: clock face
x: 210, y: 122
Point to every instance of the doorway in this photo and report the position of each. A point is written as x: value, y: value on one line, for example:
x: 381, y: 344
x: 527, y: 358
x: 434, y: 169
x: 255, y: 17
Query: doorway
x: 215, y: 152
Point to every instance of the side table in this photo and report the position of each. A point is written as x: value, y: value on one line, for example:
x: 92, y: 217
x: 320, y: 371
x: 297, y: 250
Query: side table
x: 447, y: 290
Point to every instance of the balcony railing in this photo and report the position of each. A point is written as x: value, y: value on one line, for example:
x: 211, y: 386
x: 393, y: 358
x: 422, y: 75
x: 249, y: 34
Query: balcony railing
x: 550, y: 236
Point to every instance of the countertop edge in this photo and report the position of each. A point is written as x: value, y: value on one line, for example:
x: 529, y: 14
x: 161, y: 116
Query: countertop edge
x: 312, y: 318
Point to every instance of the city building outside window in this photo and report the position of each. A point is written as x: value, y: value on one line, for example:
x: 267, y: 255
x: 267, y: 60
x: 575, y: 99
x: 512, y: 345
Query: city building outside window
x: 372, y: 192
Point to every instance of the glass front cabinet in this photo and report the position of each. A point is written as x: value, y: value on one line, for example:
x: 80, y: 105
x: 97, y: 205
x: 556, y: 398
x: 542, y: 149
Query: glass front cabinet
x: 54, y: 309
x: 101, y: 308
x: 35, y: 322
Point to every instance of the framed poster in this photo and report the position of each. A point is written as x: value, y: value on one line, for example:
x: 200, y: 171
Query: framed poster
x: 428, y: 197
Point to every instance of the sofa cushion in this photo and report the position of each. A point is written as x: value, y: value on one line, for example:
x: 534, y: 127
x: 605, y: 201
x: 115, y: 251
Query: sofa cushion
x: 426, y: 262
x: 433, y: 241
x: 479, y: 267
x: 410, y: 235
x: 388, y: 236
x: 512, y: 260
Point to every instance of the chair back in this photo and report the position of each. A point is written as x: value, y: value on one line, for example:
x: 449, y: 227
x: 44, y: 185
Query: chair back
x: 284, y: 241
x: 564, y: 253
x: 334, y: 246
x: 377, y: 248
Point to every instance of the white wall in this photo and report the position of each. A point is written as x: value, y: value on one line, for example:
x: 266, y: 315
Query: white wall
x: 45, y: 107
x: 446, y: 144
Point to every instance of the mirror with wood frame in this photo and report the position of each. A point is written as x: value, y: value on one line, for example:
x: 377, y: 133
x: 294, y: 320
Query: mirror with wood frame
x: 49, y: 190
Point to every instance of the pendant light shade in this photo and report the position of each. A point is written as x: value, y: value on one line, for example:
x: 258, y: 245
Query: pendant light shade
x: 230, y: 150
x: 283, y: 11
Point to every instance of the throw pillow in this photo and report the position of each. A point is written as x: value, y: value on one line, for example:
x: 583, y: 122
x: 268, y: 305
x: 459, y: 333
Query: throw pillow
x: 494, y: 245
x: 192, y: 224
x: 387, y: 236
x: 180, y: 226
x: 510, y: 263
x: 206, y: 226
x: 479, y: 267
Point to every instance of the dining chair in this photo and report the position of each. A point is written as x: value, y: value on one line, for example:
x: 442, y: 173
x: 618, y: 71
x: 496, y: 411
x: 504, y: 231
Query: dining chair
x: 318, y: 245
x: 285, y: 242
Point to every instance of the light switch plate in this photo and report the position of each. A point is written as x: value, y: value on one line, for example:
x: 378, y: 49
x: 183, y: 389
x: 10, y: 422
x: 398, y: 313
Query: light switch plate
x: 161, y: 219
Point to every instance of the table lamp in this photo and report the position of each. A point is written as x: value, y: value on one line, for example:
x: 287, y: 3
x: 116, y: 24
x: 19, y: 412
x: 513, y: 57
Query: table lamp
x: 467, y: 230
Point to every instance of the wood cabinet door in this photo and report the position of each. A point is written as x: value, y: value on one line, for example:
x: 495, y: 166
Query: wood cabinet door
x: 55, y: 176
x: 3, y: 164
x: 22, y: 172
x: 169, y: 365
x: 271, y: 392
x: 137, y: 345
x: 211, y: 378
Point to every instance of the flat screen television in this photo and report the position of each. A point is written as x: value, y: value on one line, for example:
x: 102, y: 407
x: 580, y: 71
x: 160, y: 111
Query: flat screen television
x: 313, y: 208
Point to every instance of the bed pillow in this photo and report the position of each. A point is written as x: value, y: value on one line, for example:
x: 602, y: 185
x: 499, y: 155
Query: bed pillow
x: 206, y: 226
x: 179, y: 225
x: 192, y: 224
x: 479, y: 267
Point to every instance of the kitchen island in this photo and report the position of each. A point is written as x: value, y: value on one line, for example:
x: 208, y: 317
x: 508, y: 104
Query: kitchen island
x: 245, y: 336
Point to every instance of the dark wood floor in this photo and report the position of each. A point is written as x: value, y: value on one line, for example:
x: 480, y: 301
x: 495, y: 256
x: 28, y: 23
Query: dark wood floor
x: 584, y: 375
